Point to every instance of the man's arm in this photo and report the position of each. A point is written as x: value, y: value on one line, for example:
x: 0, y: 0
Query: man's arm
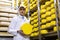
x: 12, y: 26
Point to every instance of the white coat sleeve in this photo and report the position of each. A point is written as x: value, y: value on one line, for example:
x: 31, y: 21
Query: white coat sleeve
x: 12, y: 27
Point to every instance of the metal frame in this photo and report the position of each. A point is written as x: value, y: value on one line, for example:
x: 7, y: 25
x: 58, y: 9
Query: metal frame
x: 38, y: 4
x: 12, y: 4
x: 16, y: 4
x: 57, y: 7
x: 57, y: 12
x: 28, y: 9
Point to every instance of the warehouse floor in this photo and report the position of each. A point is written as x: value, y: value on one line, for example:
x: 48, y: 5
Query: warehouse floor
x: 6, y: 38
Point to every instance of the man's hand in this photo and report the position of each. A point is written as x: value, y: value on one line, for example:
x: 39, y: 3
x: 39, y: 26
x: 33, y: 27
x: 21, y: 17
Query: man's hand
x: 21, y: 33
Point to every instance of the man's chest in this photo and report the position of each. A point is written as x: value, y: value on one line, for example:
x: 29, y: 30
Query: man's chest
x: 19, y: 22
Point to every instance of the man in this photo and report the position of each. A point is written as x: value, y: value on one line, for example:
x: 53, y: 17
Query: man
x: 14, y: 27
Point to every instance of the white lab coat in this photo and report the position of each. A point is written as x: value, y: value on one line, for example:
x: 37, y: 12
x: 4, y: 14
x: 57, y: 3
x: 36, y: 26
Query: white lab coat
x: 15, y: 25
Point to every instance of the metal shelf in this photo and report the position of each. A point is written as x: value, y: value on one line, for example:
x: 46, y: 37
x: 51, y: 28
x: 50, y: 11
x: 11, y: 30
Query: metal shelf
x: 5, y: 34
x: 34, y: 9
x: 47, y: 28
x: 50, y: 34
x: 3, y: 29
x: 8, y: 11
x: 6, y: 1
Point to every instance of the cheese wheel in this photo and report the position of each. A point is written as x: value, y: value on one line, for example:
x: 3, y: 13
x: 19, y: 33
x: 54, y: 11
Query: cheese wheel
x: 26, y: 28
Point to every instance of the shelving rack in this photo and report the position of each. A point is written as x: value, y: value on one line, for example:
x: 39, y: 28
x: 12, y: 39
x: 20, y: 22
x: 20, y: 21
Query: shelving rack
x: 6, y: 14
x: 49, y: 34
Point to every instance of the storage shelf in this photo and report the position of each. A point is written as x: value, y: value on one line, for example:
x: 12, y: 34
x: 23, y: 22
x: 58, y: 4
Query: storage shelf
x: 33, y: 10
x: 5, y: 20
x: 7, y: 16
x: 5, y: 1
x: 4, y: 23
x: 5, y: 34
x: 8, y: 11
x: 3, y: 29
x: 47, y: 28
x: 50, y: 34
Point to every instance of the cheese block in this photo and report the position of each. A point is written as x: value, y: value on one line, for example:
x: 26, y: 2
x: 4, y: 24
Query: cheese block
x: 12, y: 15
x: 52, y: 5
x: 48, y: 18
x: 34, y: 13
x: 35, y: 25
x: 48, y: 8
x: 55, y: 28
x: 48, y: 13
x: 35, y: 29
x: 42, y: 11
x: 48, y: 3
x: 43, y: 16
x: 43, y: 31
x: 53, y: 16
x: 35, y: 17
x: 53, y: 10
x: 3, y: 19
x: 53, y: 23
x: 43, y: 6
x: 43, y: 21
x: 32, y: 22
x: 4, y: 23
x: 9, y: 19
x: 52, y: 0
x: 36, y: 20
x: 43, y: 26
x: 3, y: 28
x: 36, y: 33
x: 4, y: 14
x: 32, y: 35
x: 48, y: 25
x: 5, y: 3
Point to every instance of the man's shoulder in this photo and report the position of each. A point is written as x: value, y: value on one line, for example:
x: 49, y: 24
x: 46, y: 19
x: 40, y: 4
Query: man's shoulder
x: 15, y: 17
x: 25, y: 17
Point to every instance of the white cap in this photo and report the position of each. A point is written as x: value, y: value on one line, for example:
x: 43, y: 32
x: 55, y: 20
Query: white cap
x: 21, y: 5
